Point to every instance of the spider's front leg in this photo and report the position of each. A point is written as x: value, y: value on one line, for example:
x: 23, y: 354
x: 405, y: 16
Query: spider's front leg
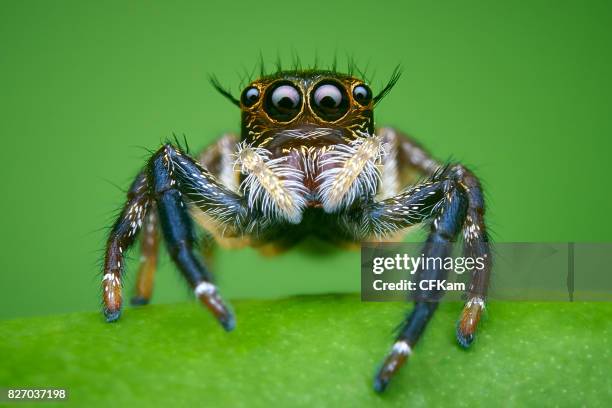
x: 406, y: 156
x: 169, y: 177
x: 218, y: 160
x: 122, y: 236
x: 450, y: 201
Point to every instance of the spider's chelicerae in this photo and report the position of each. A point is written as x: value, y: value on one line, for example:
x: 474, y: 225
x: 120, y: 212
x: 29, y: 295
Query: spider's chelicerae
x: 309, y: 161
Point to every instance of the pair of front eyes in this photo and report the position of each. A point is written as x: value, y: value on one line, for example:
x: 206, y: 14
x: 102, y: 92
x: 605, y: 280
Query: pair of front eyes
x: 283, y: 100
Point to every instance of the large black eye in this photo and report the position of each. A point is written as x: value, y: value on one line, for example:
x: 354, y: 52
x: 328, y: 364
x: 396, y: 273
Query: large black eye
x: 283, y: 101
x: 362, y: 94
x: 329, y: 100
x: 250, y: 96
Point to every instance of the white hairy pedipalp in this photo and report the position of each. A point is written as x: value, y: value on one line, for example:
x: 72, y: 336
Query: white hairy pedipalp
x: 351, y: 172
x: 271, y: 185
x: 343, y: 174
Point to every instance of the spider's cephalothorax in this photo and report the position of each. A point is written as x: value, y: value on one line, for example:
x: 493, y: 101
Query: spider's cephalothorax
x: 305, y: 108
x: 299, y: 130
x: 309, y: 162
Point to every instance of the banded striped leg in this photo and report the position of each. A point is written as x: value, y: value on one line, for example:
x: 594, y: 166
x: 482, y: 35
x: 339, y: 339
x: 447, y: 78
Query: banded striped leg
x: 446, y: 202
x: 175, y: 176
x: 121, y: 238
x: 149, y: 248
x: 404, y: 161
x: 169, y: 177
x: 476, y: 245
x: 405, y: 155
x: 216, y: 158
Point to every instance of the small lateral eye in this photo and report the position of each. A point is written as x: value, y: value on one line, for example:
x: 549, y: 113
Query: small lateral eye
x: 250, y: 96
x: 329, y: 100
x: 283, y: 101
x: 362, y: 94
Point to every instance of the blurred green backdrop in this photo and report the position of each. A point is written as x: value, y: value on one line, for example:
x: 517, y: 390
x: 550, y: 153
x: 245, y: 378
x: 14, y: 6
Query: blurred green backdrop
x: 519, y: 93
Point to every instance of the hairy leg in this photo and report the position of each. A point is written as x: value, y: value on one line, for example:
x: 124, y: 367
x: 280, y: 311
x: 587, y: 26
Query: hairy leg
x: 149, y: 245
x: 218, y: 159
x: 179, y: 235
x: 121, y: 238
x: 448, y: 216
x: 452, y: 200
x: 404, y: 163
x: 170, y: 180
x: 405, y: 156
x: 476, y: 245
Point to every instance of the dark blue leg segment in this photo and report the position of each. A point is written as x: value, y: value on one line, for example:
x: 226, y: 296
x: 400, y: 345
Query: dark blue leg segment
x: 449, y: 214
x: 413, y: 206
x: 178, y: 232
x: 170, y: 178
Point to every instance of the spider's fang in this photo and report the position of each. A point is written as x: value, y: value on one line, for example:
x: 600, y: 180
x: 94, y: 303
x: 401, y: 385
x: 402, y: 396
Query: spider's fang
x: 394, y: 361
x: 466, y: 327
x: 207, y: 293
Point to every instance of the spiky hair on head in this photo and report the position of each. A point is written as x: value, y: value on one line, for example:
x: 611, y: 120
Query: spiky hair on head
x: 395, y: 76
x: 214, y: 81
x: 297, y: 66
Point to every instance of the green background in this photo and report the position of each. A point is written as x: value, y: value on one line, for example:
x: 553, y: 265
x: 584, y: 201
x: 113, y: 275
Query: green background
x: 521, y: 94
x: 518, y: 92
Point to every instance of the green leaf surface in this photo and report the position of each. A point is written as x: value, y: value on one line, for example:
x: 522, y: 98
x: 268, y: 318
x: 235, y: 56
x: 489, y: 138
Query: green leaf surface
x: 313, y: 351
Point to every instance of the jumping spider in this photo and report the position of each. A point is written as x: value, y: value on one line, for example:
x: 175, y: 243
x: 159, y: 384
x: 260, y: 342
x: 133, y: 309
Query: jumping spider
x: 308, y: 162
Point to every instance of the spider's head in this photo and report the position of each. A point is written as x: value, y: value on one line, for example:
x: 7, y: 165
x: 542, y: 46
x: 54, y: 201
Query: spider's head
x: 307, y: 108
